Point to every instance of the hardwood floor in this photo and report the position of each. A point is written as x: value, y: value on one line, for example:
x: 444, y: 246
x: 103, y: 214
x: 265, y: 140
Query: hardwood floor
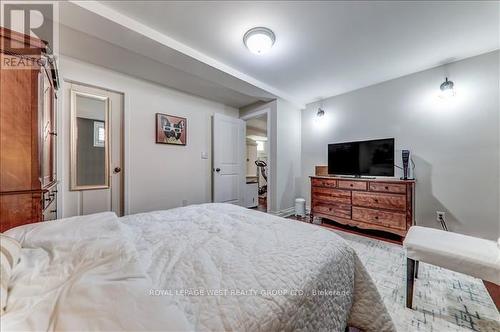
x: 494, y: 291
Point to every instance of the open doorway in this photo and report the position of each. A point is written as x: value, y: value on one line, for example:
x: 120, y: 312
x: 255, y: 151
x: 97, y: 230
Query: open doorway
x: 257, y: 163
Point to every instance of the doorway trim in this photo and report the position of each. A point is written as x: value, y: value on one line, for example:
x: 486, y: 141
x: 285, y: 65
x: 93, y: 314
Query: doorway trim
x: 270, y: 135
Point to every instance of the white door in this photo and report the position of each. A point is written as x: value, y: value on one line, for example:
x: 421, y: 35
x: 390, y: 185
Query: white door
x: 96, y: 195
x: 228, y: 160
x: 251, y: 158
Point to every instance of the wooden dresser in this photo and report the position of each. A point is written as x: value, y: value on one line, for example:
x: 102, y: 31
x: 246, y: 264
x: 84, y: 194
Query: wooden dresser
x: 28, y: 177
x: 378, y: 204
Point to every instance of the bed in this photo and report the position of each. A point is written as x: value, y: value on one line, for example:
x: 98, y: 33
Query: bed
x: 208, y: 267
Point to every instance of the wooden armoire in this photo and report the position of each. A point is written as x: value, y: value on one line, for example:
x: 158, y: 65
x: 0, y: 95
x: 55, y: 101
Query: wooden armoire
x: 28, y: 101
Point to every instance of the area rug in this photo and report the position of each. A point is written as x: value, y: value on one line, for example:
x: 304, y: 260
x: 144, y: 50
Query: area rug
x: 443, y: 300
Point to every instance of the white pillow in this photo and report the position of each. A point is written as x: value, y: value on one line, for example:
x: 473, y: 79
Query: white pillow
x: 10, y: 250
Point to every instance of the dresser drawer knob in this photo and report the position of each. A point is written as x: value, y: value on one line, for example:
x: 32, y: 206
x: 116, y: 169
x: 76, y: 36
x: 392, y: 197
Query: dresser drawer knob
x: 351, y: 184
x: 386, y: 188
x: 376, y: 217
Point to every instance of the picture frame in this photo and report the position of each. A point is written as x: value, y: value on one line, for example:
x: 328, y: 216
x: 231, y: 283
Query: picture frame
x: 171, y: 129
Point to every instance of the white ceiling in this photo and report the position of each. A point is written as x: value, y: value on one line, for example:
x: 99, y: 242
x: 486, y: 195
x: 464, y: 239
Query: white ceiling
x: 325, y: 48
x: 96, y: 36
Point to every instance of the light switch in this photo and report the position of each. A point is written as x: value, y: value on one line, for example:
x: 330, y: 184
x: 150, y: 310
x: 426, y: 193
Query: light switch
x: 204, y: 155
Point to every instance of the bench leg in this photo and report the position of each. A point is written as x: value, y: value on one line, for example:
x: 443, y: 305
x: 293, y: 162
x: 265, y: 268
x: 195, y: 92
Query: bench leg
x: 410, y: 278
x: 416, y: 269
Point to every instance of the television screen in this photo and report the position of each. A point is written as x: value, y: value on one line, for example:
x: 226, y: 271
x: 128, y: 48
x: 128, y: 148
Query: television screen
x: 372, y: 158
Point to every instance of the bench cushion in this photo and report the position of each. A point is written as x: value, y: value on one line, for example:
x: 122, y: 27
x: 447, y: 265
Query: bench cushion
x: 461, y: 253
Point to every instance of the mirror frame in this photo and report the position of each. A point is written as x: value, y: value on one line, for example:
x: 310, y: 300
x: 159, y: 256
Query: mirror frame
x: 73, y: 136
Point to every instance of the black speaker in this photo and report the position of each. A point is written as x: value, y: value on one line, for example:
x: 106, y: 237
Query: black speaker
x: 405, y: 155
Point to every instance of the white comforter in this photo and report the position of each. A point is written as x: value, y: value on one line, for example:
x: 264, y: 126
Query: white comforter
x: 82, y: 274
x: 205, y: 267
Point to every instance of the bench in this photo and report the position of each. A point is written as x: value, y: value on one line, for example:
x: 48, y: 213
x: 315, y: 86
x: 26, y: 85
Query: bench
x: 473, y: 256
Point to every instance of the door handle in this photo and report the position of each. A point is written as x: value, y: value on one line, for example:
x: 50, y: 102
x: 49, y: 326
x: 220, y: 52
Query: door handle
x: 217, y: 169
x: 117, y: 170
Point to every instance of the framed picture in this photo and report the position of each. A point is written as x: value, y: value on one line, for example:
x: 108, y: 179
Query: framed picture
x: 171, y: 129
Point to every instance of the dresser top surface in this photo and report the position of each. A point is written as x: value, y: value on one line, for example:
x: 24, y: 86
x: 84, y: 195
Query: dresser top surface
x: 388, y: 179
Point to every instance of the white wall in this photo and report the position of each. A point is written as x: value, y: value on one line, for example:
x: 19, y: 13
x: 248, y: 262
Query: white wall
x: 288, y: 155
x: 271, y: 107
x: 455, y: 143
x: 158, y: 176
x: 284, y: 152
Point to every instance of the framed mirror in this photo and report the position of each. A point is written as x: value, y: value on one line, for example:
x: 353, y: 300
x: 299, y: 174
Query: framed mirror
x: 89, y: 156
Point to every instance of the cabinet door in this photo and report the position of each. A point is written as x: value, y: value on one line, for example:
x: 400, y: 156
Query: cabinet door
x: 53, y: 137
x: 19, y: 127
x: 47, y: 131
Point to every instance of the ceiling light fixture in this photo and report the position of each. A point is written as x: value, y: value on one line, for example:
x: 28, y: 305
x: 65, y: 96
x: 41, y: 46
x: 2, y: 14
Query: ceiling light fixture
x: 320, y: 113
x: 259, y: 40
x: 447, y: 89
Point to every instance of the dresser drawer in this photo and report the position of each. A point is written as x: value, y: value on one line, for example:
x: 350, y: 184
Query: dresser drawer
x: 328, y: 183
x: 333, y: 209
x: 389, y: 219
x: 355, y: 185
x: 331, y: 195
x: 381, y: 201
x: 396, y: 188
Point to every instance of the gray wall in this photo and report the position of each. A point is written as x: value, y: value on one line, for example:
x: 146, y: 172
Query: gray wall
x: 455, y: 143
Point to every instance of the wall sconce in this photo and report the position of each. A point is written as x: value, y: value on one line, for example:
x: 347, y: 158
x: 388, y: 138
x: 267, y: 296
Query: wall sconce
x: 447, y: 89
x: 320, y: 113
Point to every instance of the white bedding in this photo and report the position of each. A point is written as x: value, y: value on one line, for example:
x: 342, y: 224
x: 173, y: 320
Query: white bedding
x: 82, y: 274
x: 205, y: 267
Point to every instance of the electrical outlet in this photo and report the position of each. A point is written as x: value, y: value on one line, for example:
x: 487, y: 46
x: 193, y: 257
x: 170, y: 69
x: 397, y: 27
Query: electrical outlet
x: 440, y: 216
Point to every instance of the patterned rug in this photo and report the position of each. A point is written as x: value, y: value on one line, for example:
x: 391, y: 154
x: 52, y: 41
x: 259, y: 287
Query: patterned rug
x: 443, y: 300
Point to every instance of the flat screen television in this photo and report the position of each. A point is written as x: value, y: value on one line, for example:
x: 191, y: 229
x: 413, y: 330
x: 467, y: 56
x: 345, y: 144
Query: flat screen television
x: 368, y: 158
